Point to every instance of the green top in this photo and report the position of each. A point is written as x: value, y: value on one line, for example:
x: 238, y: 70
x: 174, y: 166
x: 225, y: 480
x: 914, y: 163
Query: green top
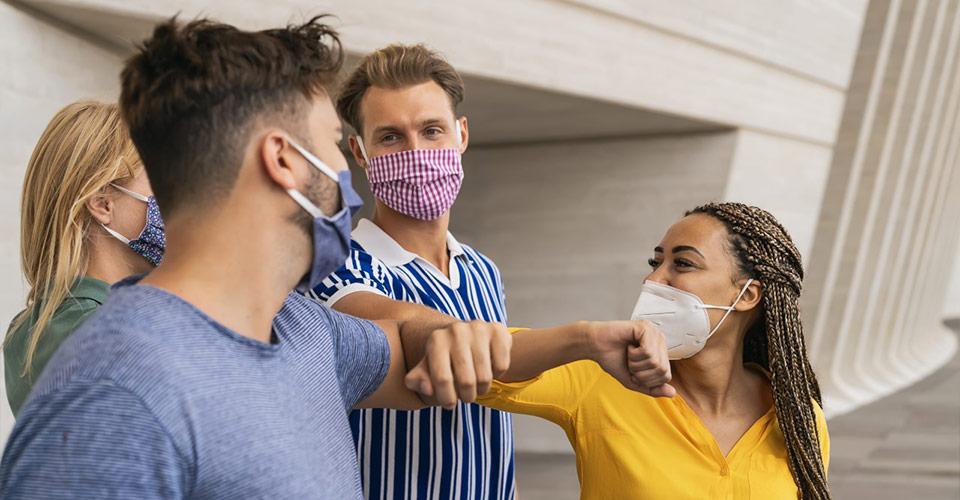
x: 85, y: 297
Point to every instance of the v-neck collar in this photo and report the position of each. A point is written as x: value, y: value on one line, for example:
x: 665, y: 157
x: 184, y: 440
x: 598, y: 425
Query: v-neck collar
x: 750, y: 439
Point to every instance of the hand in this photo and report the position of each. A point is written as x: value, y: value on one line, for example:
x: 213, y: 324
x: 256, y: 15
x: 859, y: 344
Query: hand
x: 461, y: 360
x: 634, y: 353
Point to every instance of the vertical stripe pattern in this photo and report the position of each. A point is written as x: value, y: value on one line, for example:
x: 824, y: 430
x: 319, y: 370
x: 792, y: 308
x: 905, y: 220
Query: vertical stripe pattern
x: 435, y: 454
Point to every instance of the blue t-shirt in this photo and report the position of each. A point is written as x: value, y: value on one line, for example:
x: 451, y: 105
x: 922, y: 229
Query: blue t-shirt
x: 152, y: 398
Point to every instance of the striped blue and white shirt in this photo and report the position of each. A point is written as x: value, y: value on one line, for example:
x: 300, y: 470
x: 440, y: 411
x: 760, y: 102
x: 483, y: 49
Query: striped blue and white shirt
x: 466, y: 453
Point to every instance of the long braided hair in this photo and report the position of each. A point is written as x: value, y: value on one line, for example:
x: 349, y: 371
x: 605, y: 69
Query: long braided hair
x: 764, y: 251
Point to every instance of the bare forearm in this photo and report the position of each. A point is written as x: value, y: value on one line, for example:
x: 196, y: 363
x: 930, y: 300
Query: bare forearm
x: 536, y: 351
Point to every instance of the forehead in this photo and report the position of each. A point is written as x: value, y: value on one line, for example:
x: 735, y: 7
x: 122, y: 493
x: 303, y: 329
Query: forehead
x: 701, y: 231
x: 412, y: 104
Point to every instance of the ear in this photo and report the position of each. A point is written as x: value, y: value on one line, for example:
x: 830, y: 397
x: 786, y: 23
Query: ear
x: 751, y: 297
x: 100, y: 207
x: 277, y: 157
x: 464, y: 134
x: 354, y: 145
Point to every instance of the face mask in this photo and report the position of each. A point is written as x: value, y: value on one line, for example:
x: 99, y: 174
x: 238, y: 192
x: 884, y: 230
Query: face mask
x: 331, y: 235
x: 419, y: 183
x: 680, y: 315
x: 151, y: 241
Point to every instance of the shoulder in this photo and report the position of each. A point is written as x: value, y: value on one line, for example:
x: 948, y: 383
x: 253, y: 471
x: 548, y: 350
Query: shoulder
x: 308, y: 316
x: 136, y: 339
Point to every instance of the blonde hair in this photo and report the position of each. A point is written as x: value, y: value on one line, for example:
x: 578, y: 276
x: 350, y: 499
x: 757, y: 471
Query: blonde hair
x: 84, y: 148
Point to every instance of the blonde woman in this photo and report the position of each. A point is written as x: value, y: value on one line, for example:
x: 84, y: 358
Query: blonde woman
x: 88, y: 219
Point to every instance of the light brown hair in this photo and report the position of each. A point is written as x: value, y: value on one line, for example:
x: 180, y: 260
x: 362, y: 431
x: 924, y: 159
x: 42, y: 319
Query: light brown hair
x: 84, y: 148
x: 393, y: 67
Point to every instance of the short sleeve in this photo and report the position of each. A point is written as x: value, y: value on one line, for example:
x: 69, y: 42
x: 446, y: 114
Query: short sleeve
x: 361, y: 272
x: 824, y: 436
x: 91, y: 441
x: 362, y: 355
x: 555, y: 395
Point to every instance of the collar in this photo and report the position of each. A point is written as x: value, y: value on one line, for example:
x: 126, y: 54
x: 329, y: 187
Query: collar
x: 382, y: 246
x: 90, y: 288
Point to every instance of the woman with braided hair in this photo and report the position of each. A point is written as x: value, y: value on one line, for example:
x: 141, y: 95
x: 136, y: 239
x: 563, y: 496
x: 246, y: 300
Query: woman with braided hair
x: 746, y: 422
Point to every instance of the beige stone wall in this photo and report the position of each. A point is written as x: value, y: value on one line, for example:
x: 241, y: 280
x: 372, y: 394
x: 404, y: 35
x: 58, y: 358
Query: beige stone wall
x: 887, y: 231
x: 873, y: 207
x: 45, y: 67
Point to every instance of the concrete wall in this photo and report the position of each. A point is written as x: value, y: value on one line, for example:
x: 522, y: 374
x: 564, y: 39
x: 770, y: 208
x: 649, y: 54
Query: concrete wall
x: 572, y: 224
x: 873, y: 208
x: 45, y: 67
x: 887, y: 231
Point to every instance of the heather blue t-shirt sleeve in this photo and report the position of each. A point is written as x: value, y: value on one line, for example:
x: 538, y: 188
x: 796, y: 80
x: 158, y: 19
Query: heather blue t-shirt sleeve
x: 363, y: 355
x: 94, y: 440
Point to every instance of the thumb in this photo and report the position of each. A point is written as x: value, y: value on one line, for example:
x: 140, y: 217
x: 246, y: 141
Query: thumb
x: 418, y: 379
x: 663, y: 391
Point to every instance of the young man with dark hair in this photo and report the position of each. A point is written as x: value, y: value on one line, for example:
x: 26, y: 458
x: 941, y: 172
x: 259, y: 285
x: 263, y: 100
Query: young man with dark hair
x: 209, y: 378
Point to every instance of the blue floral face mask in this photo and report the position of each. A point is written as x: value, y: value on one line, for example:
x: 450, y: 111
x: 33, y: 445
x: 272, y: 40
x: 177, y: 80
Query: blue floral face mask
x: 151, y: 241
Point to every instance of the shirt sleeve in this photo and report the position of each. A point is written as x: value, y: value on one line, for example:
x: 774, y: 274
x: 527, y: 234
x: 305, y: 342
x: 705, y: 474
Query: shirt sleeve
x: 361, y: 272
x: 824, y: 436
x: 555, y: 395
x: 362, y: 355
x: 91, y: 441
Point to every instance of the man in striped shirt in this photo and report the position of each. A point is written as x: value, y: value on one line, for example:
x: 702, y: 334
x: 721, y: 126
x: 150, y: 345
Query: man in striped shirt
x: 404, y: 263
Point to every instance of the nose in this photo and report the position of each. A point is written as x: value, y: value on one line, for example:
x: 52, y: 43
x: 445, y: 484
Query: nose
x: 659, y: 275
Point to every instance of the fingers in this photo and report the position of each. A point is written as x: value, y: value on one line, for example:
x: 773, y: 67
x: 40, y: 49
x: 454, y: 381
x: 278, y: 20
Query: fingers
x: 418, y: 380
x: 463, y: 360
x: 461, y: 357
x: 501, y: 345
x: 648, y: 361
x: 482, y: 364
x: 441, y: 371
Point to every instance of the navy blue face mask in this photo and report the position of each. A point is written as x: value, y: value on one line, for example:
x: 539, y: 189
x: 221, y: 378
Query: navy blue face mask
x: 331, y: 235
x: 151, y: 242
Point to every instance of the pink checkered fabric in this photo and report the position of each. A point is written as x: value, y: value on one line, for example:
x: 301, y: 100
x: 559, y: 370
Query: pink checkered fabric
x: 419, y: 183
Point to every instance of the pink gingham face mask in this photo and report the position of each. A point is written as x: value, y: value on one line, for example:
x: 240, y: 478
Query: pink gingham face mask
x: 419, y: 183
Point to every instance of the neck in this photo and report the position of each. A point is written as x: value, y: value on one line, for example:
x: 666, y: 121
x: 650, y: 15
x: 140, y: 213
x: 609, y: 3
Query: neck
x: 714, y: 380
x: 428, y: 239
x: 204, y: 265
x: 110, y: 260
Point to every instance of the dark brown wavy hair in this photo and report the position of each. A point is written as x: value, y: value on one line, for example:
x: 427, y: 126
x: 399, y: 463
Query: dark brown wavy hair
x: 192, y: 91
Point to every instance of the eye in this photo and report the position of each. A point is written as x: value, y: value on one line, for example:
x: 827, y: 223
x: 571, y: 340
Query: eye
x: 682, y: 264
x: 654, y: 263
x: 433, y: 131
x: 389, y: 138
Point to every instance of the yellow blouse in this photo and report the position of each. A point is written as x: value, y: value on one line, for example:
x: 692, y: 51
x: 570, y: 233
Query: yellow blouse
x: 630, y: 445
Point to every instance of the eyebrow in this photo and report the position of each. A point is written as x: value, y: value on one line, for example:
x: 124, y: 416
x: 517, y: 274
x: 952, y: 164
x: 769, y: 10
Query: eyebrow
x: 687, y: 248
x: 680, y: 248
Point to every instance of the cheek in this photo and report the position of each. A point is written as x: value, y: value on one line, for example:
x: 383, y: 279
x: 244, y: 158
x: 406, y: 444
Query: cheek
x: 130, y: 217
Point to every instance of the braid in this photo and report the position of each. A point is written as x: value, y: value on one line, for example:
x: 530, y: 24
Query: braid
x: 765, y: 252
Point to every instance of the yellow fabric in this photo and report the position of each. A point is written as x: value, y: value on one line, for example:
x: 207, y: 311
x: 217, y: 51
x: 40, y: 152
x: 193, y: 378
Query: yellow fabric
x: 632, y: 446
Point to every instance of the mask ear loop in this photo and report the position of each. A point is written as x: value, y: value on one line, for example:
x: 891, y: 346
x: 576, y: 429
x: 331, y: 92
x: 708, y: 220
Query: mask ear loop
x: 458, y: 133
x: 729, y: 309
x: 132, y: 194
x: 363, y: 150
x: 122, y: 238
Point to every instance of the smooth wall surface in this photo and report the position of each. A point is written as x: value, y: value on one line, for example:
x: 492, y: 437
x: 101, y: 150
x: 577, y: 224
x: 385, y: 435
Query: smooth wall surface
x: 571, y: 225
x: 45, y: 67
x: 847, y: 134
